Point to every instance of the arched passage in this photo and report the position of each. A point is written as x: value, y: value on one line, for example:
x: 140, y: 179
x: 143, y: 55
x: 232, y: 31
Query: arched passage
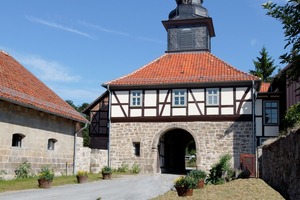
x: 171, y: 150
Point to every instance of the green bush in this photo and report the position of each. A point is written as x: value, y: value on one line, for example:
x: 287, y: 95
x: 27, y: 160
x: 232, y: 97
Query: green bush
x: 219, y: 171
x: 197, y: 174
x: 190, y: 182
x: 191, y: 162
x: 124, y: 168
x: 135, y: 169
x: 291, y: 118
x: 23, y: 171
x: 106, y: 170
x: 2, y: 172
x: 46, y: 173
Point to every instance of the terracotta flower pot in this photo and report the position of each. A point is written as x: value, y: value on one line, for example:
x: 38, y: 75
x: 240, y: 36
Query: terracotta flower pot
x: 82, y: 179
x: 44, y: 183
x: 183, y: 191
x: 200, y: 184
x: 106, y: 176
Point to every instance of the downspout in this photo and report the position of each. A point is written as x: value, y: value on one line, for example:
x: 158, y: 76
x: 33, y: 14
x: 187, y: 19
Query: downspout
x: 253, y: 96
x: 108, y: 126
x: 75, y: 142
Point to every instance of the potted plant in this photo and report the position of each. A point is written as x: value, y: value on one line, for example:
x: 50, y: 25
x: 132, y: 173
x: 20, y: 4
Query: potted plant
x: 185, y: 185
x: 45, y: 177
x: 199, y: 176
x: 179, y: 186
x: 190, y: 184
x: 106, y: 172
x: 82, y: 176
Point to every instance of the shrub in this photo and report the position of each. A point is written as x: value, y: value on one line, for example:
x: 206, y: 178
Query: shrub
x: 191, y: 162
x: 187, y: 182
x: 190, y: 182
x: 197, y: 174
x: 124, y: 168
x: 46, y: 173
x: 219, y: 171
x: 106, y: 170
x: 2, y: 172
x: 179, y: 182
x: 292, y: 117
x: 135, y: 169
x: 23, y: 171
x: 81, y: 173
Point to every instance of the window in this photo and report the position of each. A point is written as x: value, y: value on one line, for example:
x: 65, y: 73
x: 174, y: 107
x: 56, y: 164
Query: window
x: 17, y: 140
x: 51, y: 143
x: 136, y: 98
x: 137, y: 148
x: 187, y: 38
x: 179, y: 98
x: 271, y: 112
x: 212, y: 97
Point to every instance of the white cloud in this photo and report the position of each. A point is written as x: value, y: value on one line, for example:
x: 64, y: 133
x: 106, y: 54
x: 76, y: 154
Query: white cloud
x: 59, y: 26
x: 48, y: 70
x: 102, y: 29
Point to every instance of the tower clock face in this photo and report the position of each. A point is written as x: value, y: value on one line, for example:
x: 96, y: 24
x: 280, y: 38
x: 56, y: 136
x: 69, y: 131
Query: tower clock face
x: 186, y: 1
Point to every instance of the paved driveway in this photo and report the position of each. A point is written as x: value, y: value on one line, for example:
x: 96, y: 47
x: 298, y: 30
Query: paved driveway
x: 138, y: 187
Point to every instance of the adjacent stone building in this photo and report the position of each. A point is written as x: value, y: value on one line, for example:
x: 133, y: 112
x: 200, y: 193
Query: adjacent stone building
x: 36, y: 125
x: 186, y: 97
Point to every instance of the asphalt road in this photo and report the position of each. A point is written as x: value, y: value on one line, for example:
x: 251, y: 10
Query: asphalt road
x: 140, y: 187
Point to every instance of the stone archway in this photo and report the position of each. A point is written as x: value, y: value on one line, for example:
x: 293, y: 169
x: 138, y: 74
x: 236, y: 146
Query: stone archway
x: 168, y: 149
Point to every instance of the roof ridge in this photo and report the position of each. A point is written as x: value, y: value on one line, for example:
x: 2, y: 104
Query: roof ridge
x: 107, y: 83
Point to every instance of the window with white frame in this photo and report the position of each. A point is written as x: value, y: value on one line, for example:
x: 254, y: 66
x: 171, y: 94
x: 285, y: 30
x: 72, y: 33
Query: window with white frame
x: 212, y: 96
x: 136, y: 98
x: 271, y: 112
x: 17, y: 140
x: 179, y: 98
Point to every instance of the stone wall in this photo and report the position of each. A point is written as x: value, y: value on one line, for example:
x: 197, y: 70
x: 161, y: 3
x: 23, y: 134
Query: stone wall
x: 91, y: 160
x: 280, y: 165
x: 212, y: 139
x: 37, y: 128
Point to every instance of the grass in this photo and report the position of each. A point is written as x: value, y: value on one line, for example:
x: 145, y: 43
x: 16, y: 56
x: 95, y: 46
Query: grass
x: 245, y: 189
x: 32, y: 183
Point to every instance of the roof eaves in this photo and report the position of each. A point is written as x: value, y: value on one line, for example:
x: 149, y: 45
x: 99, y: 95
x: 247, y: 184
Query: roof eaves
x: 83, y: 120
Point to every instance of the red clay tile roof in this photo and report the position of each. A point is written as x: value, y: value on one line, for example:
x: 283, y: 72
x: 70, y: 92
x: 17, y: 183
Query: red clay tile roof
x: 178, y: 68
x: 264, y: 87
x: 19, y: 86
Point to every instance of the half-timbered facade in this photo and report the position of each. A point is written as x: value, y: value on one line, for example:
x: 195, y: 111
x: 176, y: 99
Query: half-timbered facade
x: 186, y: 97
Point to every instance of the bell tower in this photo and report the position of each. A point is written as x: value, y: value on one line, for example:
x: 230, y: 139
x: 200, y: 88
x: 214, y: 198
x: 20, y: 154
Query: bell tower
x: 189, y: 27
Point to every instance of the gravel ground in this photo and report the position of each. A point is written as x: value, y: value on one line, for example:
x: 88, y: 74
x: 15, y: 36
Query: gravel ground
x: 138, y: 187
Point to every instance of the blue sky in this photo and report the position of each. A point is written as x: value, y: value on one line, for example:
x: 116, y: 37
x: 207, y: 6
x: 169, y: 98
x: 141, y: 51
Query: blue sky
x: 74, y: 46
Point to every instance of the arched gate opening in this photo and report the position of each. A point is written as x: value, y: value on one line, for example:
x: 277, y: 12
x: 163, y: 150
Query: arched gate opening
x: 172, y: 150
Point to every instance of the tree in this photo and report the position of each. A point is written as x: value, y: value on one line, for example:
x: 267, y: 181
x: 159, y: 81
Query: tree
x: 264, y: 66
x: 289, y: 16
x: 85, y: 132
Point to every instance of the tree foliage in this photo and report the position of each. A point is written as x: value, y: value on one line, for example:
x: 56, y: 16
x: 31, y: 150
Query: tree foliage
x: 289, y: 16
x: 291, y: 118
x: 264, y: 66
x: 85, y: 132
